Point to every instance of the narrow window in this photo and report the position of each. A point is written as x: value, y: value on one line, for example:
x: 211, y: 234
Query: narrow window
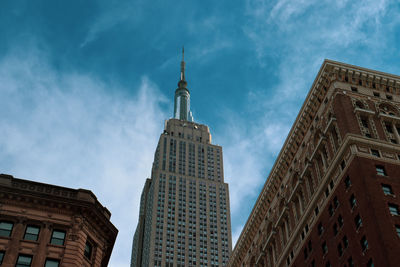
x: 345, y: 241
x: 316, y: 211
x: 340, y: 220
x: 57, y: 237
x: 336, y: 202
x: 358, y: 221
x: 328, y: 264
x: 380, y: 170
x: 364, y: 243
x: 352, y: 201
x: 24, y: 261
x: 340, y: 249
x: 335, y: 229
x: 88, y: 250
x: 305, y: 254
x: 324, y: 248
x: 350, y: 262
x: 52, y: 263
x: 370, y: 263
x: 375, y: 153
x: 393, y: 209
x: 1, y: 256
x: 309, y: 246
x: 320, y: 229
x: 6, y: 228
x: 31, y: 233
x: 398, y: 230
x: 331, y: 210
x: 347, y: 182
x: 388, y: 127
x: 387, y: 189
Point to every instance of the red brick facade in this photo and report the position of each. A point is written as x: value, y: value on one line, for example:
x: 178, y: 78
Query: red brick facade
x: 331, y: 198
x: 47, y: 225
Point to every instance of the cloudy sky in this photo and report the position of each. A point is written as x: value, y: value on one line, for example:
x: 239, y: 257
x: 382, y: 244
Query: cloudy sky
x: 85, y: 86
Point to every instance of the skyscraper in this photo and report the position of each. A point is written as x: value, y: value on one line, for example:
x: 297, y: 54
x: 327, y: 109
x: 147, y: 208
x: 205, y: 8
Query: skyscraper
x: 332, y: 196
x: 184, y: 215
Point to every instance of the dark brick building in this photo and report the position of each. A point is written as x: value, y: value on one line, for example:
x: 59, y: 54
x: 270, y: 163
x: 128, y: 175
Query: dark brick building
x: 332, y: 197
x: 51, y: 226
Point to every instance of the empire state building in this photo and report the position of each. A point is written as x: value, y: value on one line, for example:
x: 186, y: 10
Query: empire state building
x: 184, y: 215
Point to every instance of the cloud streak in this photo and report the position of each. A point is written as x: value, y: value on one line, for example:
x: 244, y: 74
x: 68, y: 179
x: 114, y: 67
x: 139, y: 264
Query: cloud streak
x: 68, y: 129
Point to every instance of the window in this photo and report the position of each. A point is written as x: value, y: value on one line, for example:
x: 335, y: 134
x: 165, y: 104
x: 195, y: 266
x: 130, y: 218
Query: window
x: 340, y: 249
x: 345, y: 241
x: 370, y: 263
x: 376, y: 94
x: 350, y: 262
x: 88, y: 250
x: 6, y: 229
x: 324, y: 248
x: 309, y: 245
x: 352, y: 201
x: 347, y: 182
x: 389, y: 97
x: 358, y: 221
x: 331, y: 210
x: 57, y: 238
x: 394, y: 209
x: 335, y: 229
x: 328, y: 264
x: 320, y: 229
x: 387, y: 189
x: 340, y: 220
x: 336, y: 202
x: 31, y: 233
x: 52, y: 263
x: 380, y: 170
x: 1, y: 257
x: 398, y: 230
x: 23, y: 261
x: 364, y: 243
x: 375, y: 153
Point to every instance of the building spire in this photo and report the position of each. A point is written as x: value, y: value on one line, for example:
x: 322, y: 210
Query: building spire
x: 183, y: 65
x: 182, y: 96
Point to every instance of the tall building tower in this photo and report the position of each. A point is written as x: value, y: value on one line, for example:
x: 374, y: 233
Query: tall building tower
x: 333, y: 195
x: 184, y: 215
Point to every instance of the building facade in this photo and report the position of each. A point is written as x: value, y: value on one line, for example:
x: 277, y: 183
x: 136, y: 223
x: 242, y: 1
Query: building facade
x: 184, y: 215
x: 51, y: 226
x: 332, y: 197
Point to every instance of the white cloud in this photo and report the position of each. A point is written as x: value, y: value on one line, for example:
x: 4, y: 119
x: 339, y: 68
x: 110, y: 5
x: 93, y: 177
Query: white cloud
x: 71, y: 130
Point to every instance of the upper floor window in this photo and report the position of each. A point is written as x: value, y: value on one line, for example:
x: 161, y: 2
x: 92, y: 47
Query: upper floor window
x: 347, y: 182
x: 387, y: 189
x: 24, y: 261
x: 52, y: 263
x: 1, y: 257
x: 380, y: 170
x: 398, y: 230
x: 364, y: 243
x: 324, y: 248
x: 6, y: 228
x: 358, y: 221
x: 88, y: 250
x: 31, y: 233
x: 393, y: 209
x: 57, y: 237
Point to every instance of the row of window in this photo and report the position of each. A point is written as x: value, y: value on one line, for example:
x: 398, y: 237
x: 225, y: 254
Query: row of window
x: 32, y: 234
x: 26, y: 261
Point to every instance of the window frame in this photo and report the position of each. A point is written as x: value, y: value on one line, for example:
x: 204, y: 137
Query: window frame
x: 387, y: 189
x: 52, y: 238
x: 380, y: 170
x: 30, y: 234
x: 18, y: 264
x: 6, y: 230
x: 48, y: 260
x: 393, y: 209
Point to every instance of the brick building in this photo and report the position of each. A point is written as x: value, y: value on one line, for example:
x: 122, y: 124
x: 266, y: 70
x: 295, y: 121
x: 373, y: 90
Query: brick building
x: 332, y: 197
x: 51, y: 226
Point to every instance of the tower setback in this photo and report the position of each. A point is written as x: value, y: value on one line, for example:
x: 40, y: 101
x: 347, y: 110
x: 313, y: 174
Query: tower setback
x: 184, y: 215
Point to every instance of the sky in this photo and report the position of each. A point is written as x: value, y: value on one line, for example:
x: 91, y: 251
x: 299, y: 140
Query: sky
x: 85, y: 86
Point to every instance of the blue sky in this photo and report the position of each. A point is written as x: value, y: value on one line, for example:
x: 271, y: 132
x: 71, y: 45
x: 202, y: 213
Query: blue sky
x: 86, y: 85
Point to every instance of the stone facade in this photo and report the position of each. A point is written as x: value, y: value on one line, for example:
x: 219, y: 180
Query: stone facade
x: 47, y: 225
x: 331, y: 198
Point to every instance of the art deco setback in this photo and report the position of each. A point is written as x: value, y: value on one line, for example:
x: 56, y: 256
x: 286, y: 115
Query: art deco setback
x: 332, y: 197
x: 51, y: 226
